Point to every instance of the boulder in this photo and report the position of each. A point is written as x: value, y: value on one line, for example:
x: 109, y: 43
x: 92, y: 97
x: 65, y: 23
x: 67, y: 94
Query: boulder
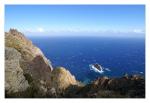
x: 14, y: 78
x: 61, y: 79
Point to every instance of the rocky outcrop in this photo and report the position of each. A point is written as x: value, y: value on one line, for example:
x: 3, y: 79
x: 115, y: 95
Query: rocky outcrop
x: 14, y: 78
x: 104, y: 87
x: 25, y: 66
x: 33, y: 61
x: 60, y: 79
x: 28, y: 72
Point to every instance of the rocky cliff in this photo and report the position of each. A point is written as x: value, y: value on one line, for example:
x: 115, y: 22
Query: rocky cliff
x: 61, y: 79
x: 33, y: 61
x: 28, y: 73
x: 104, y: 87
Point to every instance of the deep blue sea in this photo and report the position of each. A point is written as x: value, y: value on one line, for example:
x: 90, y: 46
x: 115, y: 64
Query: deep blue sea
x: 119, y: 55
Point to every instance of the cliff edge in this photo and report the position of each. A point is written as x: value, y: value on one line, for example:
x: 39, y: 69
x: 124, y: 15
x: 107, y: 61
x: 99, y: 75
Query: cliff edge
x: 28, y: 73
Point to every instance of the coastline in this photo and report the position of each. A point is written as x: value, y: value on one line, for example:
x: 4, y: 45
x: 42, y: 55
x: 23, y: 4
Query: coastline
x: 39, y: 79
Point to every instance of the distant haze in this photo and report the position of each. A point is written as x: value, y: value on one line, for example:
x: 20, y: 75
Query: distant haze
x: 85, y: 34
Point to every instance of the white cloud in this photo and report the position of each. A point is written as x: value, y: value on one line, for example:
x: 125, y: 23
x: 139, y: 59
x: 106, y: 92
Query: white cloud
x: 40, y: 29
x: 35, y: 30
x: 138, y: 31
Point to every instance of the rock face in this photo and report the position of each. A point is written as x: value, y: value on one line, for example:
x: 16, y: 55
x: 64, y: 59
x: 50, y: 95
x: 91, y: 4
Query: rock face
x: 25, y: 65
x: 28, y: 73
x: 14, y: 78
x: 61, y: 79
x: 104, y: 87
x: 33, y: 61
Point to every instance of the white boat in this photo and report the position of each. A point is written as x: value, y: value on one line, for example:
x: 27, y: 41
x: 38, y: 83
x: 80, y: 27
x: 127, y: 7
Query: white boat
x: 96, y: 67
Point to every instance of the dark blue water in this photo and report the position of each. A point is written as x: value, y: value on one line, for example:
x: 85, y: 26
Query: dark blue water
x: 120, y: 55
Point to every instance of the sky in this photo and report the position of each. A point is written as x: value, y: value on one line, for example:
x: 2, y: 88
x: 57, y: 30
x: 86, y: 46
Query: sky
x: 76, y: 20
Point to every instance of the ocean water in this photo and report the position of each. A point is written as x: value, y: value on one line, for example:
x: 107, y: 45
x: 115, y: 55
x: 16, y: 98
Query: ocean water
x: 118, y: 55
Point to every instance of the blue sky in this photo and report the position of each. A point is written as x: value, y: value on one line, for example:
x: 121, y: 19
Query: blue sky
x: 76, y: 20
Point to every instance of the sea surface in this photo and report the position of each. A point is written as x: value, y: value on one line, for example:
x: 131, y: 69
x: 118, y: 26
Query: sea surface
x: 117, y: 55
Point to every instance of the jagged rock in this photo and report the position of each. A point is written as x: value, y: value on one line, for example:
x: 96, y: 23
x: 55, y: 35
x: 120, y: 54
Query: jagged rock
x: 38, y: 64
x: 133, y: 86
x: 40, y: 88
x: 32, y: 60
x: 11, y: 54
x: 25, y: 63
x: 14, y: 78
x: 52, y: 93
x: 101, y: 82
x: 61, y: 79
